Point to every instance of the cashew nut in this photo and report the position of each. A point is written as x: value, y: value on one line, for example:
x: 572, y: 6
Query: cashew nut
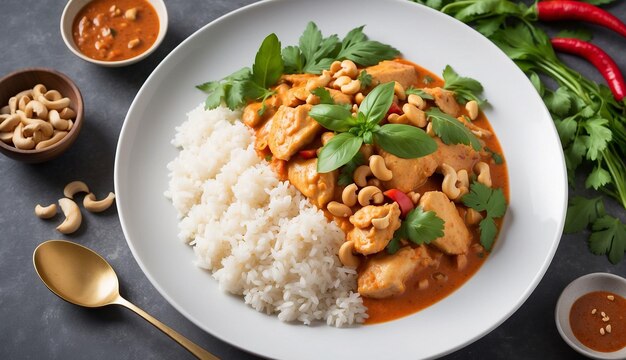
x: 320, y: 81
x: 482, y: 133
x: 398, y: 119
x: 358, y: 98
x: 54, y: 105
x: 415, y: 116
x: 414, y: 196
x: 338, y: 209
x: 370, y: 194
x: 53, y: 95
x: 73, y: 217
x: 393, y: 118
x: 374, y: 182
x: 429, y: 130
x: 348, y: 68
x: 6, y: 137
x: 38, y: 125
x: 448, y: 186
x: 341, y: 81
x: 379, y: 168
x: 91, y: 204
x: 56, y: 137
x: 22, y: 102
x: 36, y: 108
x: 45, y: 212
x: 381, y: 223
x: 352, y: 87
x: 472, y: 217
x: 57, y: 122
x: 67, y: 113
x: 12, y: 105
x: 348, y: 196
x: 346, y: 255
x: 417, y: 101
x: 472, y: 109
x: 131, y: 14
x: 312, y: 99
x: 360, y: 175
x: 38, y: 90
x: 19, y: 141
x: 133, y: 43
x: 484, y: 173
x: 398, y: 89
x: 10, y: 123
x: 74, y: 188
x: 462, y: 179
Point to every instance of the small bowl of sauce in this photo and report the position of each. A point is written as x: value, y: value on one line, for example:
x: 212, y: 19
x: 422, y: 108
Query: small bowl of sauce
x: 113, y: 32
x: 591, y: 316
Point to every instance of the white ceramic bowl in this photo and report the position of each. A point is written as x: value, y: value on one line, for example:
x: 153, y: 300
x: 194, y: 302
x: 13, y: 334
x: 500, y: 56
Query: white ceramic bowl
x: 577, y: 288
x: 74, y: 6
x: 530, y: 232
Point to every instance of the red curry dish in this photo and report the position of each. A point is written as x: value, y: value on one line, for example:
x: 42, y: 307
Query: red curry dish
x: 411, y: 223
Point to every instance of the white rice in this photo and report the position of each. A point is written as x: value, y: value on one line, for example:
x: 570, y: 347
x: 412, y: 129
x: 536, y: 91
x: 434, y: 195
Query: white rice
x: 258, y: 236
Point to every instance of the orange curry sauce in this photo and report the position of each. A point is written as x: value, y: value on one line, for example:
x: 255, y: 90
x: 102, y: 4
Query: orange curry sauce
x: 598, y: 320
x: 113, y: 30
x: 450, y: 279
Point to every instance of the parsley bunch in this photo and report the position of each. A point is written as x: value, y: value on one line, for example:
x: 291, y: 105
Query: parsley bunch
x: 590, y: 122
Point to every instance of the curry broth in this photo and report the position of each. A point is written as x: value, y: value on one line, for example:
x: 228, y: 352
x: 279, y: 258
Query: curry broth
x: 414, y: 298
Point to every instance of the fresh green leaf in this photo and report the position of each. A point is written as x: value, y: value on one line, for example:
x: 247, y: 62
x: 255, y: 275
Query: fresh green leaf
x: 234, y: 97
x: 567, y: 129
x: 599, y: 136
x: 583, y: 34
x: 268, y: 63
x: 497, y: 158
x: 558, y: 102
x: 488, y: 232
x: 324, y: 95
x: 365, y: 79
x: 581, y: 212
x: 419, y: 92
x: 574, y: 154
x: 338, y: 151
x: 422, y: 227
x: 536, y: 81
x: 356, y: 47
x: 394, y: 245
x: 464, y: 88
x: 598, y: 178
x: 208, y: 87
x: 293, y: 60
x: 451, y: 130
x: 427, y: 80
x: 376, y: 104
x: 483, y: 198
x: 346, y: 172
x: 310, y: 41
x: 608, y: 237
x: 333, y: 117
x: 215, y: 98
x: 404, y: 141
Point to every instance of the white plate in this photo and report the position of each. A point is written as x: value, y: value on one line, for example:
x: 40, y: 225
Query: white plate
x: 532, y: 227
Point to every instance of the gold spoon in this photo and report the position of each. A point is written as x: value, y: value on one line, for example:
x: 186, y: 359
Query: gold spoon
x: 80, y: 276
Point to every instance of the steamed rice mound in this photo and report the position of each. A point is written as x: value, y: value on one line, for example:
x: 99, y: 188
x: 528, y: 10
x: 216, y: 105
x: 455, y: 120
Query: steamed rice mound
x: 258, y: 236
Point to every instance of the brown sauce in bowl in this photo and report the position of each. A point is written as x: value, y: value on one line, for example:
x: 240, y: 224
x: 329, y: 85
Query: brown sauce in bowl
x: 112, y: 30
x: 598, y: 320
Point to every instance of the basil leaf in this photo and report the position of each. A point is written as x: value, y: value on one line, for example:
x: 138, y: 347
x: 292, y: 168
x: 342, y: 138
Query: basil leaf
x: 451, y: 130
x: 404, y: 141
x: 377, y: 103
x: 338, y: 151
x: 268, y: 63
x: 333, y: 117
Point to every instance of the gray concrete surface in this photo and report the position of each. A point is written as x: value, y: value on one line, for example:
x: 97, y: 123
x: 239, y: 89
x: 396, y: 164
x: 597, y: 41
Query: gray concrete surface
x: 35, y: 324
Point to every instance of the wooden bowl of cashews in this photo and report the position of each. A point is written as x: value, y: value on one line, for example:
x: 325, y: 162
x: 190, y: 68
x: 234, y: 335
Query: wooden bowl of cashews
x: 41, y: 114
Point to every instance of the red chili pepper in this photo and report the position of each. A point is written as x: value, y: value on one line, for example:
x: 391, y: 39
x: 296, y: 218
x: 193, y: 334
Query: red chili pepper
x: 600, y: 59
x: 308, y: 154
x: 576, y: 10
x: 405, y: 203
x: 394, y: 109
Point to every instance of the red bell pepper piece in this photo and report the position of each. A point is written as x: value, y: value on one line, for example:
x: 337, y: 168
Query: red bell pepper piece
x: 308, y: 154
x: 405, y: 203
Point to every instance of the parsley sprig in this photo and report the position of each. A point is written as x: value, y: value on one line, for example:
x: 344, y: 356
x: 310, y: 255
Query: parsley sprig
x: 490, y: 201
x: 419, y: 227
x: 404, y: 141
x: 464, y: 88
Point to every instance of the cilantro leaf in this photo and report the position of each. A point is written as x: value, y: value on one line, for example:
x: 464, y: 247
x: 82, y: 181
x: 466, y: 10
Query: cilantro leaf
x: 422, y: 227
x: 488, y: 232
x: 356, y: 47
x: 365, y: 79
x: 394, y: 245
x: 451, y: 130
x: 497, y: 158
x: 464, y: 88
x: 581, y: 212
x: 293, y: 60
x: 598, y: 178
x: 608, y: 237
x: 324, y: 95
x: 347, y: 171
x: 566, y: 129
x: 599, y: 136
x: 419, y: 92
x: 558, y: 102
x: 483, y: 198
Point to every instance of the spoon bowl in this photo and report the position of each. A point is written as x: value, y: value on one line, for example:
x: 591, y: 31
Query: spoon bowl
x: 80, y: 276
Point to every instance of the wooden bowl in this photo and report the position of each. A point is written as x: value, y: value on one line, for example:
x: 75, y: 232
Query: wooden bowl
x: 25, y: 79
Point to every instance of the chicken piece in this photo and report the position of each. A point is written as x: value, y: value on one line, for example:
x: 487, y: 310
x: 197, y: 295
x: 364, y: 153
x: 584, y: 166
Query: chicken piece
x: 408, y: 174
x: 368, y: 239
x: 458, y: 156
x: 297, y: 80
x: 292, y: 128
x: 445, y: 100
x: 318, y: 187
x: 387, y: 71
x: 284, y: 96
x: 262, y: 135
x: 339, y: 97
x: 456, y: 238
x: 251, y: 116
x: 386, y: 275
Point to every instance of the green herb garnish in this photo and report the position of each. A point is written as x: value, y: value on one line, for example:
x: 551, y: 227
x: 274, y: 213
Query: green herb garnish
x: 401, y: 140
x: 347, y: 171
x: 365, y: 79
x: 491, y: 201
x: 451, y: 130
x: 324, y: 95
x: 419, y: 92
x: 497, y: 158
x: 419, y: 227
x: 464, y: 88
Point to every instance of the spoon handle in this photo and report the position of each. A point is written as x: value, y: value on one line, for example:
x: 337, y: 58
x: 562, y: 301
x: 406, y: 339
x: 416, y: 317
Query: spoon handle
x: 196, y: 350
